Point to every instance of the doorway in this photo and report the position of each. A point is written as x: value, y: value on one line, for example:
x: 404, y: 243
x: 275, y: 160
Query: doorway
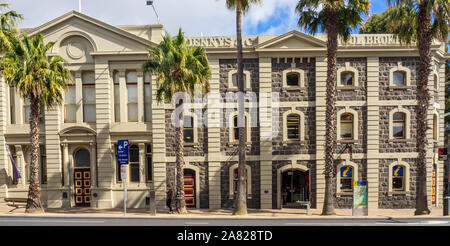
x: 294, y: 187
x: 82, y: 178
x: 189, y: 188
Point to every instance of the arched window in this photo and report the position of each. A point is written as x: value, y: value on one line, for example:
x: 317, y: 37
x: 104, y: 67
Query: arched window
x: 235, y: 80
x: 346, y: 179
x: 82, y: 158
x: 399, y: 78
x: 347, y: 78
x: 188, y: 129
x: 235, y: 180
x: 347, y: 126
x: 134, y: 163
x: 293, y: 79
x: 293, y: 127
x: 399, y: 125
x: 398, y: 178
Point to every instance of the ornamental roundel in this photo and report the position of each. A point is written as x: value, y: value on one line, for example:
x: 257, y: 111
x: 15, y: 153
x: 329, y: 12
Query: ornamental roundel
x: 75, y: 50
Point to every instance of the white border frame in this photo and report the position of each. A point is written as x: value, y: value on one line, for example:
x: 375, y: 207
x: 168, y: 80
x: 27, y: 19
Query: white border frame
x: 231, y: 126
x: 338, y: 177
x: 293, y: 166
x: 247, y: 81
x: 355, y: 122
x: 399, y: 68
x: 407, y: 122
x: 406, y: 176
x: 351, y: 69
x: 231, y: 177
x: 302, y: 125
x: 301, y: 77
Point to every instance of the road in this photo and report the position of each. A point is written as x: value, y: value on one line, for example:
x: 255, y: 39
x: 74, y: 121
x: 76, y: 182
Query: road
x: 130, y: 221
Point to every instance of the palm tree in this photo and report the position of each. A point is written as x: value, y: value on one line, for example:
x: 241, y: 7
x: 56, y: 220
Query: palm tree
x: 337, y: 18
x: 180, y: 69
x: 240, y: 202
x: 421, y: 21
x: 42, y: 80
x: 8, y: 27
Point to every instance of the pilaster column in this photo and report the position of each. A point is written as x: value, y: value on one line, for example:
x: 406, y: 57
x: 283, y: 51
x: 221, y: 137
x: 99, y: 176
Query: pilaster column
x: 93, y: 165
x: 441, y: 132
x: 159, y: 147
x: 266, y: 130
x: 105, y: 169
x: 373, y: 131
x: 214, y: 109
x: 321, y: 77
x: 66, y: 165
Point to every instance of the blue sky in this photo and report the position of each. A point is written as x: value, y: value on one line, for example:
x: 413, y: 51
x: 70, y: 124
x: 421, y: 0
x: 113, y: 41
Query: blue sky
x: 196, y: 17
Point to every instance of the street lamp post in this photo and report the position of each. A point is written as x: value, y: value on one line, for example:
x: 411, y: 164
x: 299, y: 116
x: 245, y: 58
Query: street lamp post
x: 153, y: 6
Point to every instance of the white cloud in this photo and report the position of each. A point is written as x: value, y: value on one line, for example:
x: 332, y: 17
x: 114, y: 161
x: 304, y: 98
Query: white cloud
x: 210, y: 17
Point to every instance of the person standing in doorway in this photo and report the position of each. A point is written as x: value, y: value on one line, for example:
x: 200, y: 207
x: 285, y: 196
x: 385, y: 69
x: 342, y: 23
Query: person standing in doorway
x: 169, y: 199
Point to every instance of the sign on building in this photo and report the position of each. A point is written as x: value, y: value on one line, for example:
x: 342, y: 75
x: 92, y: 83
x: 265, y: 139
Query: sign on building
x: 360, y: 199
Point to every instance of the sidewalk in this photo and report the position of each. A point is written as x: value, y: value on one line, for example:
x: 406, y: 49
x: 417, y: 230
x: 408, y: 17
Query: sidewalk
x: 219, y: 213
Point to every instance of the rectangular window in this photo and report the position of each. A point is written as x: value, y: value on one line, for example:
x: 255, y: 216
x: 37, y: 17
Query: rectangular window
x: 399, y: 78
x: 26, y: 110
x: 12, y: 105
x: 398, y: 128
x: 346, y: 178
x: 88, y: 81
x: 132, y: 98
x: 398, y: 178
x: 147, y: 97
x: 43, y: 164
x: 134, y: 163
x: 188, y: 130
x: 292, y: 79
x: 235, y: 80
x: 149, y: 162
x: 293, y: 127
x: 347, y: 79
x: 116, y: 84
x: 70, y: 106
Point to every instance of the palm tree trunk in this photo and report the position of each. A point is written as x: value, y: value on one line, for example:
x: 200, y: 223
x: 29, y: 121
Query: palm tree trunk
x: 332, y: 43
x: 180, y: 203
x: 240, y: 206
x: 34, y: 201
x: 423, y: 97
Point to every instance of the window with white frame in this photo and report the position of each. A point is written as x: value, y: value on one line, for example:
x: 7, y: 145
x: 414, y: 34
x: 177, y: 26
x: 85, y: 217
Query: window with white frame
x: 134, y: 163
x: 188, y: 129
x: 12, y: 105
x: 293, y: 79
x: 435, y: 127
x: 435, y: 81
x: 116, y: 84
x: 88, y: 90
x: 398, y: 178
x: 346, y: 126
x: 346, y: 179
x: 233, y: 180
x: 132, y: 98
x: 233, y: 79
x: 147, y: 97
x: 399, y: 78
x: 399, y: 125
x: 70, y: 105
x: 347, y: 78
x: 293, y: 127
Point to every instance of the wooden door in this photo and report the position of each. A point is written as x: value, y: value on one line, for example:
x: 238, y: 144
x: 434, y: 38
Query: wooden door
x: 82, y: 185
x: 189, y: 188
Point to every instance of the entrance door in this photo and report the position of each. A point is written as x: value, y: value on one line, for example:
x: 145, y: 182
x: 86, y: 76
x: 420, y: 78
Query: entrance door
x: 82, y: 178
x: 294, y: 187
x: 82, y: 187
x: 189, y: 188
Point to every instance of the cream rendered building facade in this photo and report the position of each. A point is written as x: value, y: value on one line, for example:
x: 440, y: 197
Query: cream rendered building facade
x: 111, y: 57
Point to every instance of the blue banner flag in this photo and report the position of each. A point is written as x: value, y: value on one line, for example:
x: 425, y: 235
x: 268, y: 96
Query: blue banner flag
x: 16, y: 172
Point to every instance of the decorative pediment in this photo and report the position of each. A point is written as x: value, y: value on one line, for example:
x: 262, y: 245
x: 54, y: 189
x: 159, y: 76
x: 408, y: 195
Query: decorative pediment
x: 77, y: 35
x: 77, y: 131
x: 293, y: 40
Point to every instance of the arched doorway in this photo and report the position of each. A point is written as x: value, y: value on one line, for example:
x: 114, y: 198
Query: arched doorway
x: 294, y: 187
x: 189, y: 188
x: 82, y: 178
